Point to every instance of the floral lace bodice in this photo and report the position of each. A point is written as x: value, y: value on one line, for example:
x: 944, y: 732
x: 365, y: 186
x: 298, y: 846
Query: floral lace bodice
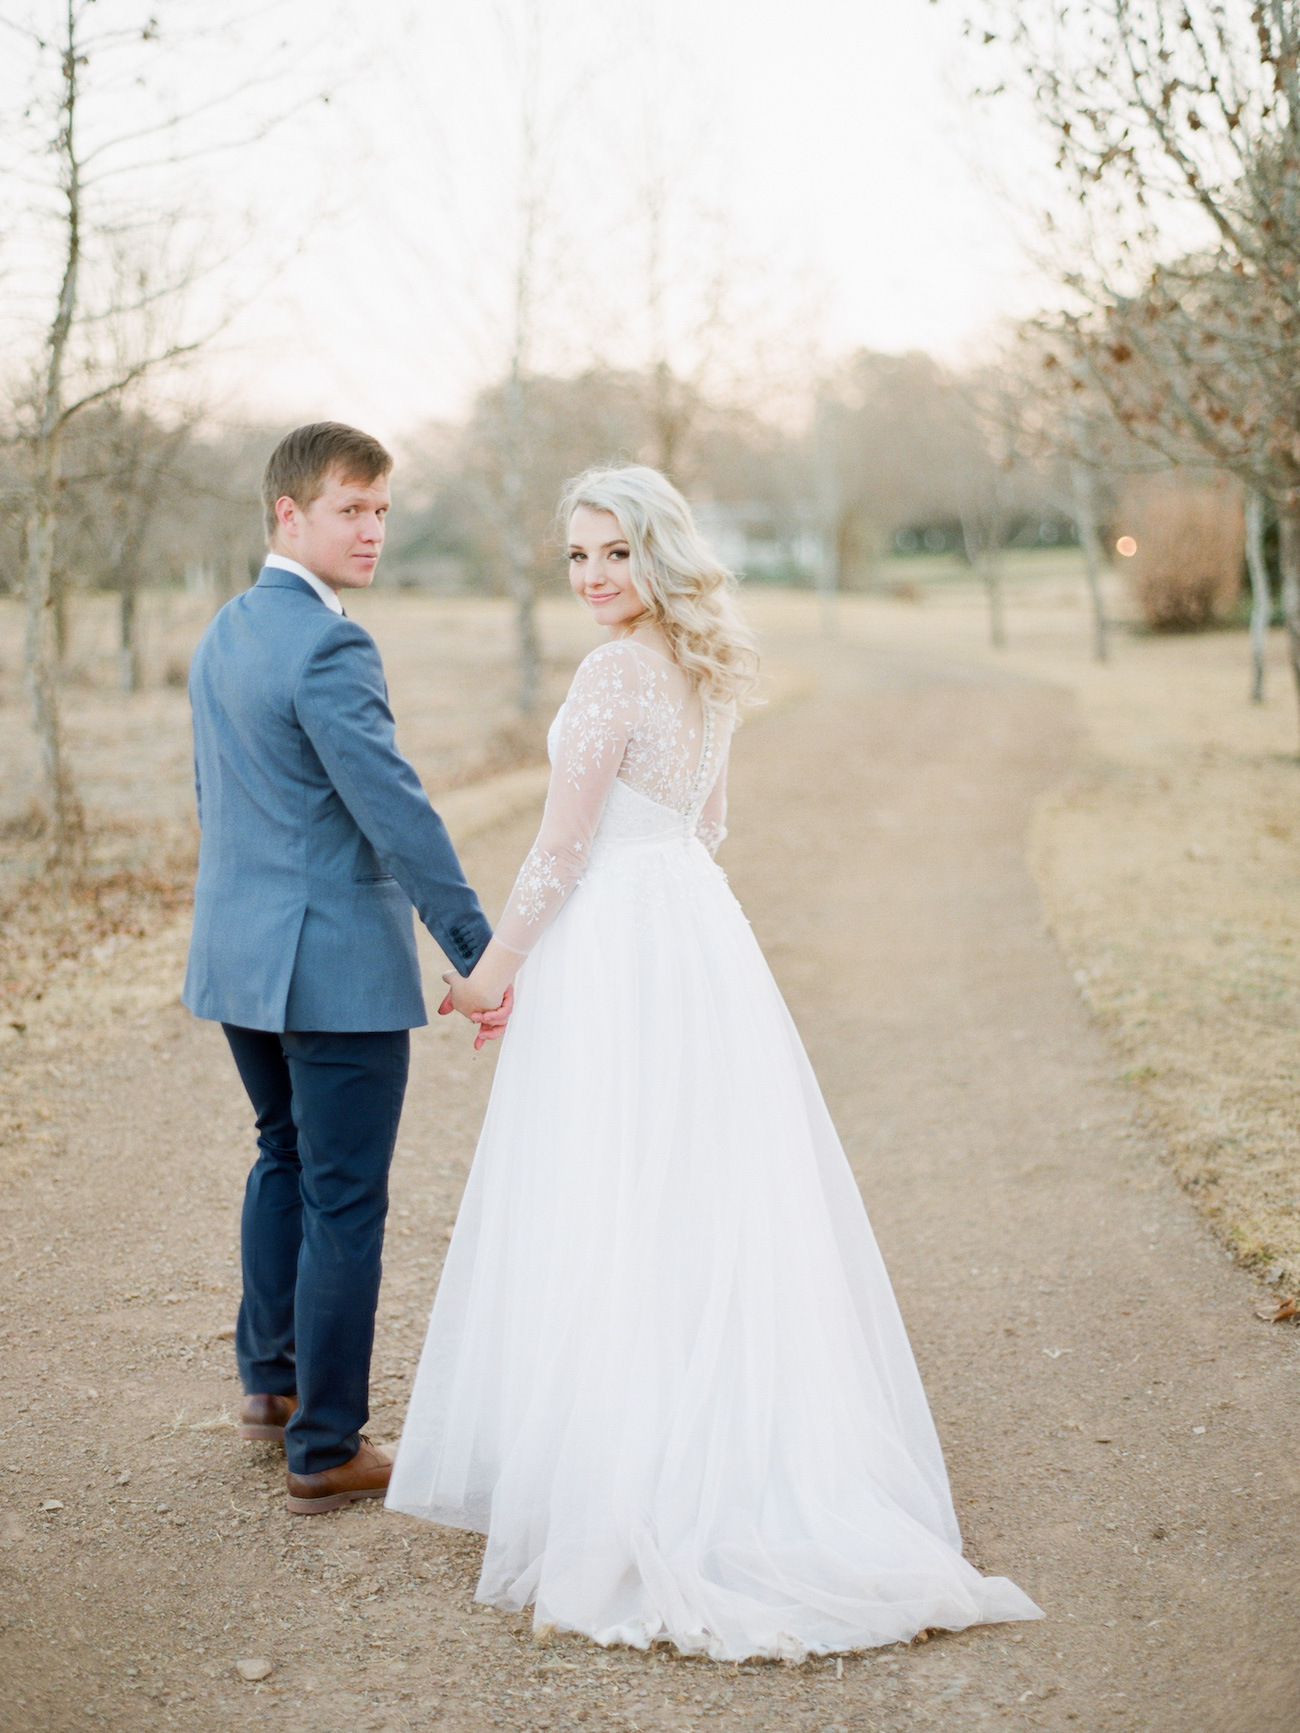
x: 631, y: 722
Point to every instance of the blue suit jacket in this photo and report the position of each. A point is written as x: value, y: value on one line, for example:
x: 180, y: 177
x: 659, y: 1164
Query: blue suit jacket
x: 316, y: 834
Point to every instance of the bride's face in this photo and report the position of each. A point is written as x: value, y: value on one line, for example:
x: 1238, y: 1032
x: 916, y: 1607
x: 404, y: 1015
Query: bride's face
x: 600, y: 568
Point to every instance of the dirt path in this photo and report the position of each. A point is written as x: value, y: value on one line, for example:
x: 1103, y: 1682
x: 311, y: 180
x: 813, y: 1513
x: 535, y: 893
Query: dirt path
x: 1119, y: 1427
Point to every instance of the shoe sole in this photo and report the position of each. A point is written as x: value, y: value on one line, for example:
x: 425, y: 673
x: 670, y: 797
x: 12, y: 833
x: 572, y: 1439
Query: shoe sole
x: 335, y: 1501
x: 263, y: 1434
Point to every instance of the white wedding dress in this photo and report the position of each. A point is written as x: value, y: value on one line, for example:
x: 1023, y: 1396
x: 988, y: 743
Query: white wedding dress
x: 665, y: 1373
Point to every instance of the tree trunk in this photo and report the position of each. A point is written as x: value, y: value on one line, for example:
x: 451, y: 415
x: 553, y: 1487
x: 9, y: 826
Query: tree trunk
x: 828, y: 572
x: 1094, y: 560
x: 519, y: 568
x: 1261, y: 605
x: 141, y: 488
x: 519, y: 555
x: 828, y: 585
x: 130, y: 674
x: 983, y: 559
x: 126, y: 580
x: 1289, y: 545
x: 993, y: 589
x: 528, y: 643
x: 59, y: 613
x: 66, y: 818
x: 667, y: 421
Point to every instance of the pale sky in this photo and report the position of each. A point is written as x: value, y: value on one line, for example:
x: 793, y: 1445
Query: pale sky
x: 815, y: 160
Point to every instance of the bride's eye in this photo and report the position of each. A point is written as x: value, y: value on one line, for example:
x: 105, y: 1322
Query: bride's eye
x: 619, y: 553
x: 576, y: 554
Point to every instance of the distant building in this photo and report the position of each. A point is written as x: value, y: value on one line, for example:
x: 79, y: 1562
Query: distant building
x: 747, y: 537
x: 1024, y: 530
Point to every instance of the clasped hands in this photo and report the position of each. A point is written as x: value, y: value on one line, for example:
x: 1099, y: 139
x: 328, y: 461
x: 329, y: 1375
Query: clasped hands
x: 470, y: 1000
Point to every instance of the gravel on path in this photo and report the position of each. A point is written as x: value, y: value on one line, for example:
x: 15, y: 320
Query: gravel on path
x: 1118, y: 1425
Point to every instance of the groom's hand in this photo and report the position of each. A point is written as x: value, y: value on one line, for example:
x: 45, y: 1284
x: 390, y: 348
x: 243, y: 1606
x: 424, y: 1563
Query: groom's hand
x: 490, y: 1019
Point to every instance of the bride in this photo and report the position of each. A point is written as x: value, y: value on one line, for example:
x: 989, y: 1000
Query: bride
x: 665, y: 1373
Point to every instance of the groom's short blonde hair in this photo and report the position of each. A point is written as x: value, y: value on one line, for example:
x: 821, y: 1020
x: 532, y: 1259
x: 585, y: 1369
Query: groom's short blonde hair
x: 304, y: 460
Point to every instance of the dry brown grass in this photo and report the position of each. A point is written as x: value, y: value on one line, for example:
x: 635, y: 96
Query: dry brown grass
x: 1170, y: 872
x: 1174, y: 893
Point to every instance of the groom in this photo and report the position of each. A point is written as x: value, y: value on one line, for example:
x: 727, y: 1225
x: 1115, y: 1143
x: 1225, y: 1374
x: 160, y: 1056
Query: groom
x: 317, y: 839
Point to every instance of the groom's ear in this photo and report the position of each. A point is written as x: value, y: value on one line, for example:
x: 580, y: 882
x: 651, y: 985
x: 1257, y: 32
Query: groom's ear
x: 287, y: 511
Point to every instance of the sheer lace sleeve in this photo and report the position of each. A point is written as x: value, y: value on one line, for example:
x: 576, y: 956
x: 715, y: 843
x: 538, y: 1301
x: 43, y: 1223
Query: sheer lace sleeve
x: 599, y: 716
x: 711, y: 826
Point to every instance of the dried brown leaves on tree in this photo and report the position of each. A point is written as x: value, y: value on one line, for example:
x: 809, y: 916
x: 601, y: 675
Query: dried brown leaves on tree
x: 1177, y: 143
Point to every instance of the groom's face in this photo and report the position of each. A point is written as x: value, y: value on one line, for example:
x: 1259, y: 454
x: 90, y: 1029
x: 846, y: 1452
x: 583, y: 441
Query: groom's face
x: 340, y: 534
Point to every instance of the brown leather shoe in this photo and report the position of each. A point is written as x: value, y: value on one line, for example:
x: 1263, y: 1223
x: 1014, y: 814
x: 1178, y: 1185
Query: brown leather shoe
x: 265, y: 1417
x: 365, y: 1476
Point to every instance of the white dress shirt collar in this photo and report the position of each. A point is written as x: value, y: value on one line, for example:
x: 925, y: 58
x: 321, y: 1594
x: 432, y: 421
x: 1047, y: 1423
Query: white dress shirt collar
x: 283, y: 563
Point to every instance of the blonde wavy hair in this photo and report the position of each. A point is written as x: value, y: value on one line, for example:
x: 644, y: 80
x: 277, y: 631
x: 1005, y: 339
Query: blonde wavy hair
x: 686, y: 591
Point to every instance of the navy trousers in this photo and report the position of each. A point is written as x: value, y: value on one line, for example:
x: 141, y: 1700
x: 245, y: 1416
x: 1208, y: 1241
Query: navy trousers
x: 327, y: 1108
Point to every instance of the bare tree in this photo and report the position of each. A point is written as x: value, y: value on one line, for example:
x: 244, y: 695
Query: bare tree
x: 138, y: 481
x: 534, y: 113
x: 123, y: 477
x: 831, y: 517
x: 703, y: 323
x: 1083, y: 492
x: 991, y: 475
x: 50, y: 414
x: 666, y: 399
x: 983, y: 526
x: 1047, y: 424
x: 492, y: 256
x: 121, y: 271
x: 1261, y: 604
x: 683, y: 286
x: 516, y: 427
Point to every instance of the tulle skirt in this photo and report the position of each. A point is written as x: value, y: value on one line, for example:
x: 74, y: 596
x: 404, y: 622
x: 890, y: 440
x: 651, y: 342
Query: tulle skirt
x: 665, y: 1373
